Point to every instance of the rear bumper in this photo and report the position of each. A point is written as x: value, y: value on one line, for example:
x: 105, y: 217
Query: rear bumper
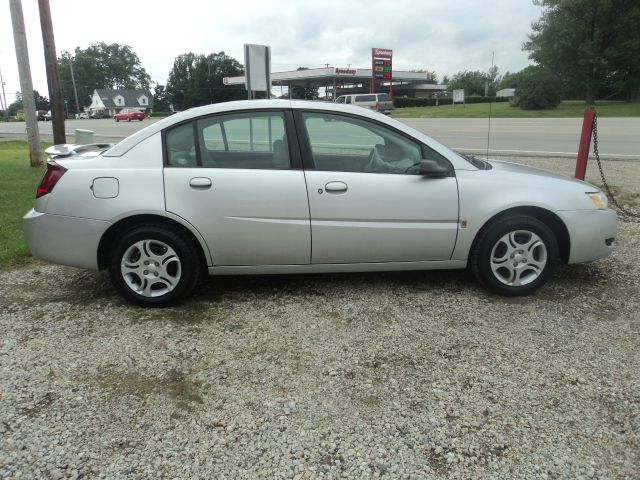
x: 65, y: 240
x: 591, y: 233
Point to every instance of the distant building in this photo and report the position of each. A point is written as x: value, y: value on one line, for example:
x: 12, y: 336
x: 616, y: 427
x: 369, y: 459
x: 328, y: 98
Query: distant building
x: 506, y: 92
x: 113, y: 101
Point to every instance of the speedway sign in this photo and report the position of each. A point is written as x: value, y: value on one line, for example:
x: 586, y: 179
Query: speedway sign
x: 381, y: 68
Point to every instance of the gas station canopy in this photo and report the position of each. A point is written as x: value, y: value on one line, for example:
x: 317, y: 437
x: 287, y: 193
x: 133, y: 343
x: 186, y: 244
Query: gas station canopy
x: 349, y: 80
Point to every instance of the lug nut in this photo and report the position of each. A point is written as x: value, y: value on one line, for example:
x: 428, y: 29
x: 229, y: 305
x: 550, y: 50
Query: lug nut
x: 146, y: 272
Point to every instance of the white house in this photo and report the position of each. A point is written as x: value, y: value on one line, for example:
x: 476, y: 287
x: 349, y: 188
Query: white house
x: 112, y: 101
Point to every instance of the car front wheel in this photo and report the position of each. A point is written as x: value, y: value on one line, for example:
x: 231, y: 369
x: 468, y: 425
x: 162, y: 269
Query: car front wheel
x: 515, y: 255
x: 154, y: 265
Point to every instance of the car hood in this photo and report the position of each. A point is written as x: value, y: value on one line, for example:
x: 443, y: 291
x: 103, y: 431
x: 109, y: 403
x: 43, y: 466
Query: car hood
x: 516, y: 168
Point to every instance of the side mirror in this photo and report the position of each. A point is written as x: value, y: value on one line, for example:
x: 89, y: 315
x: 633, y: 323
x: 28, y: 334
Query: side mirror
x: 433, y: 169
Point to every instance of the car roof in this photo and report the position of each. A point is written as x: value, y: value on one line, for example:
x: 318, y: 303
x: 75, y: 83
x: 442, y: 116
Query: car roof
x: 242, y: 105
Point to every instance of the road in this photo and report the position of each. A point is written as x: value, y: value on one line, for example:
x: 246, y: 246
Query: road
x: 619, y: 137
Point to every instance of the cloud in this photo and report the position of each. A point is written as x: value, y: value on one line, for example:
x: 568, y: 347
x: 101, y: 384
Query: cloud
x: 441, y: 36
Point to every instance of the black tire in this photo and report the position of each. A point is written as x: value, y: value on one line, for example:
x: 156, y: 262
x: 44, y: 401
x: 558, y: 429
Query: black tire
x: 116, y: 120
x: 514, y: 255
x: 148, y: 285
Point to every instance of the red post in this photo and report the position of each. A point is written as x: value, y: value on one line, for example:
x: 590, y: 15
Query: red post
x: 373, y: 70
x: 585, y: 142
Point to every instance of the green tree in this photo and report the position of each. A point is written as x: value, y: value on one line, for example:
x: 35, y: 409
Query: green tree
x: 473, y: 82
x: 160, y: 99
x: 42, y: 103
x: 509, y: 80
x: 537, y: 89
x: 100, y: 65
x: 307, y: 92
x: 13, y: 108
x: 592, y: 44
x: 198, y: 80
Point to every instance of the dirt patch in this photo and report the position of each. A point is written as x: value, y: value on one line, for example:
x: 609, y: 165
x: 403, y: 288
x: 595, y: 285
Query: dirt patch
x: 174, y: 385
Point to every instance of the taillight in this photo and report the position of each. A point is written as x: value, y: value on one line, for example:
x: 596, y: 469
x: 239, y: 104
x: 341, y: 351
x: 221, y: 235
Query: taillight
x: 377, y: 105
x: 51, y: 176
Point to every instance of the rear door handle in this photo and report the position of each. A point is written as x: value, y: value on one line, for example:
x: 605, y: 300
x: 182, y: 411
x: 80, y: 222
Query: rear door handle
x: 200, y: 183
x: 336, y: 187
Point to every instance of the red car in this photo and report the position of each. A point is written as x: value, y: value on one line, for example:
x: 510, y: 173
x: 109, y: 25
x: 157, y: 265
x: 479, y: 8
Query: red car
x: 129, y: 114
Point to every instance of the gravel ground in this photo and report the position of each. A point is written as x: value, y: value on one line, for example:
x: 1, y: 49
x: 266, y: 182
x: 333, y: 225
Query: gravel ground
x: 398, y: 375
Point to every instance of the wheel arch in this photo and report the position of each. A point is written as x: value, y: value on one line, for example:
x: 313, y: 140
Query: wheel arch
x: 553, y: 221
x: 114, y: 231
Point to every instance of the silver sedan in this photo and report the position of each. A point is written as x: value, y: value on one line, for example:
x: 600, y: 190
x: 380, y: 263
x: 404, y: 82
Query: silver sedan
x: 276, y: 186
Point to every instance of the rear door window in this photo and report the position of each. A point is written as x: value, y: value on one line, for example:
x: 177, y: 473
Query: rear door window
x: 243, y: 140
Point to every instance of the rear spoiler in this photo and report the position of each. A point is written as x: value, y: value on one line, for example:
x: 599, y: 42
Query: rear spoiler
x: 69, y: 149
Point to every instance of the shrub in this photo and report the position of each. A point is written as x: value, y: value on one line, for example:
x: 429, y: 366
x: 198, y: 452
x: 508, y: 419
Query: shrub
x: 538, y: 89
x: 401, y: 102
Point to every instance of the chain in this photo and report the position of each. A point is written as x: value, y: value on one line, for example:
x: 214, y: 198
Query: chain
x: 607, y: 189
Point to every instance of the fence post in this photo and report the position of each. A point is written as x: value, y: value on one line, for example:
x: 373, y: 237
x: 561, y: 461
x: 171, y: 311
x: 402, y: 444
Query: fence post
x: 585, y: 142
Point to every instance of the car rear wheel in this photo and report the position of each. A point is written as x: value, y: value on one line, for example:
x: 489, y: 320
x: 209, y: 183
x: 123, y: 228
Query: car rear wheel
x: 154, y: 265
x: 515, y: 255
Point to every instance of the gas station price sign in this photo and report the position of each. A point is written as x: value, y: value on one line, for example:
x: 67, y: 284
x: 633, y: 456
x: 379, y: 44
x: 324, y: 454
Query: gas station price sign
x: 381, y: 68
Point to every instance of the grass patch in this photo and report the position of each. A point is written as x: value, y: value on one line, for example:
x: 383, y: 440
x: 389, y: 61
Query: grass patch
x: 18, y: 183
x: 371, y: 401
x: 568, y: 108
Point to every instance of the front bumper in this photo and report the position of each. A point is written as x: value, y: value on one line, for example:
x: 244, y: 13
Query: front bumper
x: 65, y: 240
x: 591, y: 233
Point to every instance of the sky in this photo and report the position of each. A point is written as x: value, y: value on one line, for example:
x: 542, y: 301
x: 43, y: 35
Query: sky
x: 423, y: 34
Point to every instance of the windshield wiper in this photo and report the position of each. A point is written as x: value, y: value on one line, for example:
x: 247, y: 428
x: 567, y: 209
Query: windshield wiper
x: 477, y: 162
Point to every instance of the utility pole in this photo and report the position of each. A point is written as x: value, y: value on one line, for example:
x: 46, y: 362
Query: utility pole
x: 22, y: 55
x: 5, y: 107
x: 73, y: 80
x: 53, y: 77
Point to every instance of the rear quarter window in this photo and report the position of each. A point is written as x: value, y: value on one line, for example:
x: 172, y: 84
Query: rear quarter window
x: 365, y: 98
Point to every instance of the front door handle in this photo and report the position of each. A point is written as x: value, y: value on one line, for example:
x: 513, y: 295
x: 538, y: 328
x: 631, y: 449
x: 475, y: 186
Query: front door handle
x: 335, y: 187
x: 200, y: 183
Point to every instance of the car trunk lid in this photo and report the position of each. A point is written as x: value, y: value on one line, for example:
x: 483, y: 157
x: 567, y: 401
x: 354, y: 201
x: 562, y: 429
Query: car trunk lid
x: 72, y: 151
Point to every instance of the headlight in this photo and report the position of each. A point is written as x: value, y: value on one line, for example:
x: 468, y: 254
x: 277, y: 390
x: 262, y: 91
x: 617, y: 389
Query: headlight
x: 599, y: 199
